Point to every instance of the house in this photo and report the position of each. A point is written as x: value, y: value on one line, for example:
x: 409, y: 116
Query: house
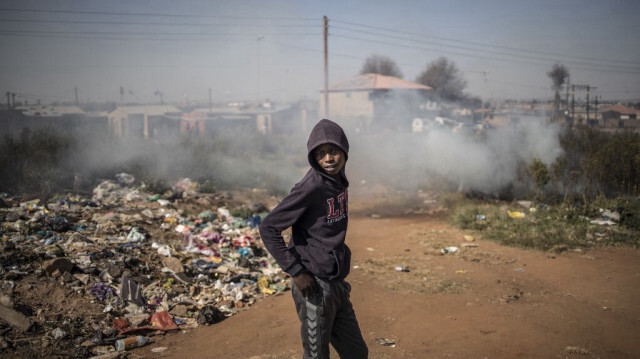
x: 271, y: 118
x: 620, y: 116
x: 373, y: 102
x: 65, y: 118
x: 145, y: 121
x: 53, y: 111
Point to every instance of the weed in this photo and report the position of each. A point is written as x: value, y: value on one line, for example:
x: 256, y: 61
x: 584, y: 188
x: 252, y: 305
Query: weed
x: 546, y: 227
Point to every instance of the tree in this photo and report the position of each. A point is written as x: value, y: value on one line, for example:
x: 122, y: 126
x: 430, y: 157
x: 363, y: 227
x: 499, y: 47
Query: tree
x: 381, y: 65
x: 444, y: 77
x: 540, y: 174
x: 558, y: 75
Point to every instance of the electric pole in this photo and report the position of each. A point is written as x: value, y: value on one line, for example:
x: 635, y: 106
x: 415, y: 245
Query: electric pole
x: 567, y: 96
x: 326, y: 67
x: 260, y: 37
x: 596, y: 108
x: 210, y: 106
x: 587, y: 104
x: 76, y: 90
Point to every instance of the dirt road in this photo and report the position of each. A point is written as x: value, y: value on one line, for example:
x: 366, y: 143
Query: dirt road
x: 487, y: 301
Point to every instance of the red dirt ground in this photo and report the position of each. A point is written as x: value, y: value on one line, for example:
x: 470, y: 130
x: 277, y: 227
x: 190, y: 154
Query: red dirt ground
x: 488, y: 301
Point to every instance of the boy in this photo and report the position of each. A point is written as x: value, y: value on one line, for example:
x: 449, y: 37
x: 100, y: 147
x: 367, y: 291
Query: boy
x: 316, y: 257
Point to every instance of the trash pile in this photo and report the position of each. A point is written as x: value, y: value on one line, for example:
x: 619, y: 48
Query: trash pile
x: 86, y: 276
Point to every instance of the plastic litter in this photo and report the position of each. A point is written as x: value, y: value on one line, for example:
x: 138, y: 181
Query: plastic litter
x: 608, y: 222
x: 163, y: 249
x: 125, y: 178
x: 402, y: 269
x: 135, y: 236
x: 131, y: 342
x: 516, y: 214
x: 449, y: 250
x: 101, y: 291
x: 386, y: 342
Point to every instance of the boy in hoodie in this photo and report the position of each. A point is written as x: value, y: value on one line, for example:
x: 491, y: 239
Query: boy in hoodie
x: 316, y: 257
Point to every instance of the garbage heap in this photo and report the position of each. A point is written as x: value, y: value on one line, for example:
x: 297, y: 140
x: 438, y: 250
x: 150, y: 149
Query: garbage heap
x: 81, y: 273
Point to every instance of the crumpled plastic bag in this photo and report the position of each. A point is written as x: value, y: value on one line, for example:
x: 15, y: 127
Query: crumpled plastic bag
x: 157, y: 321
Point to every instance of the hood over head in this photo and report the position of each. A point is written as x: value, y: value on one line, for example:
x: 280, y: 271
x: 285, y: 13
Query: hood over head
x: 326, y: 131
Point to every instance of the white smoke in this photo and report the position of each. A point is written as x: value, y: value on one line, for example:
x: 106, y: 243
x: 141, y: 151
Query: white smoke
x: 485, y: 163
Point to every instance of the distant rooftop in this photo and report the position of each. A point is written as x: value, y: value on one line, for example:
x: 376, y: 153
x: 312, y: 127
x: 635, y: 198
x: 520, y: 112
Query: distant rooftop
x: 149, y: 110
x: 622, y: 109
x: 368, y: 82
x: 49, y: 110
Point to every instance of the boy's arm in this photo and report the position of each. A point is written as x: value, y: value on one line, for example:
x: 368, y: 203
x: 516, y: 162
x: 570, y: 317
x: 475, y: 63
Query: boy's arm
x: 281, y: 218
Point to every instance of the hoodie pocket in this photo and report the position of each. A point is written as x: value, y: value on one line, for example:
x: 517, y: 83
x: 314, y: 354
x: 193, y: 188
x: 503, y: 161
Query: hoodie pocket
x: 342, y: 257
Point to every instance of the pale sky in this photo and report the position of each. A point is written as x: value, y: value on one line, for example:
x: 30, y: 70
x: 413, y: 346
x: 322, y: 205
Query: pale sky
x: 248, y: 49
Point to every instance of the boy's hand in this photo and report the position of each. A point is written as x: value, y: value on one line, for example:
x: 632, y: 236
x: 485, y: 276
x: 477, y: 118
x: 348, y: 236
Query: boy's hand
x: 305, y: 283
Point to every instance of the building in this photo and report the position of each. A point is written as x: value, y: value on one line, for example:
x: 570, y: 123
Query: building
x: 238, y: 118
x: 145, y: 121
x: 63, y: 118
x: 620, y: 116
x: 371, y: 102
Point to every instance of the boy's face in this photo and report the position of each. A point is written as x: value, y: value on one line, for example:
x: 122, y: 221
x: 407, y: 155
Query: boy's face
x: 330, y: 158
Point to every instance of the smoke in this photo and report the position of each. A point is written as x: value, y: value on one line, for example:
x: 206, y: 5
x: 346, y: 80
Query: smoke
x: 488, y: 161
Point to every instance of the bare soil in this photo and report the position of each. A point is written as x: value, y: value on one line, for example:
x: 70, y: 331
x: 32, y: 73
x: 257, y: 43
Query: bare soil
x: 487, y: 301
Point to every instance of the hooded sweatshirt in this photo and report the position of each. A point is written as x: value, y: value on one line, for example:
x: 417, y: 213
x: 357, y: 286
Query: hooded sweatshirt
x: 317, y: 212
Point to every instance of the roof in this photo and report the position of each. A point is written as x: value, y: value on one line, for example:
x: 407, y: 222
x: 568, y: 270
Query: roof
x: 152, y: 110
x: 376, y: 82
x: 622, y: 109
x: 49, y: 110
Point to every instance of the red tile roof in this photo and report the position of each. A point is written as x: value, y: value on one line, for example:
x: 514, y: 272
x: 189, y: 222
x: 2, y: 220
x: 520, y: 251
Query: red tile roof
x: 376, y: 82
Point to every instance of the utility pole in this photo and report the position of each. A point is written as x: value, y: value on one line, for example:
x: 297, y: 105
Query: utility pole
x: 567, y: 96
x: 76, y: 90
x: 326, y: 67
x: 588, y: 88
x: 8, y: 100
x: 260, y: 37
x: 210, y: 106
x: 596, y: 108
x: 573, y: 101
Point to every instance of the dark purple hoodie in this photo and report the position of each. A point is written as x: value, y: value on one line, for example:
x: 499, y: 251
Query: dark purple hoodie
x: 317, y: 212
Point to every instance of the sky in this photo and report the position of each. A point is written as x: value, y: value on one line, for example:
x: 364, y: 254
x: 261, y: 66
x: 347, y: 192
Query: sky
x: 184, y: 52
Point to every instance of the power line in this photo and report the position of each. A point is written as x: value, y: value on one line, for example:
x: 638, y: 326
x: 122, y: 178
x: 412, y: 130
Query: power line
x: 156, y: 34
x: 520, y: 60
x: 422, y: 36
x: 145, y: 14
x: 148, y: 23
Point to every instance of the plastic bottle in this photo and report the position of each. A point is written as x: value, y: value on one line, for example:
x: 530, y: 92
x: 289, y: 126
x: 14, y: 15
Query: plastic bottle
x: 131, y: 342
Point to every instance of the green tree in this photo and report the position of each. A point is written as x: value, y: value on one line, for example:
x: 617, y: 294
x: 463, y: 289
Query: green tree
x: 540, y: 174
x: 444, y: 77
x: 382, y: 65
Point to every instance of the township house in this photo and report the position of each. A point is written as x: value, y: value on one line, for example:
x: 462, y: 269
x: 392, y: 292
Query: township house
x: 265, y: 118
x: 373, y: 102
x: 62, y: 117
x: 211, y: 121
x: 620, y: 116
x: 153, y: 121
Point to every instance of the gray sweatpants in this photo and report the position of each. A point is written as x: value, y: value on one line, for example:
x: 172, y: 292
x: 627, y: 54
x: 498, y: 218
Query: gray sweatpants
x: 328, y: 317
